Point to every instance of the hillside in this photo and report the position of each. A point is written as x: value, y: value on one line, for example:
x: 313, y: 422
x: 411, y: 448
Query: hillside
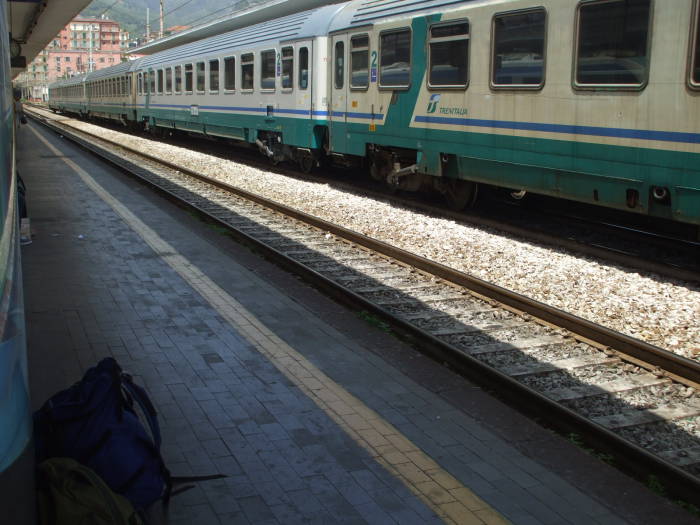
x: 131, y: 14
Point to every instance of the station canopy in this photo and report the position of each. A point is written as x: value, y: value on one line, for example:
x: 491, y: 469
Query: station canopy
x: 254, y: 15
x: 34, y: 23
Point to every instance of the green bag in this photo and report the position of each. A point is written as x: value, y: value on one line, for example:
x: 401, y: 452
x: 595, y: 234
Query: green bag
x: 69, y: 493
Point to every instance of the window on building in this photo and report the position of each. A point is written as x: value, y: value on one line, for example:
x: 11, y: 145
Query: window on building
x: 188, y: 78
x: 230, y: 73
x: 214, y: 75
x: 359, y: 62
x: 339, y: 65
x: 102, y: 59
x: 613, y: 41
x: 287, y: 67
x: 247, y: 63
x: 267, y: 69
x: 519, y: 49
x: 303, y: 68
x: 169, y: 80
x: 200, y: 76
x: 67, y: 59
x: 178, y: 79
x: 449, y: 55
x: 395, y: 59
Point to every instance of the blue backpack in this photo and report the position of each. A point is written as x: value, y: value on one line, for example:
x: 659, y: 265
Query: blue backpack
x: 95, y: 422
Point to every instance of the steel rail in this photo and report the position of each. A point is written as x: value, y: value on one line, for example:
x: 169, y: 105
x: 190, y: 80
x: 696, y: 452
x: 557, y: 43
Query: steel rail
x: 636, y: 459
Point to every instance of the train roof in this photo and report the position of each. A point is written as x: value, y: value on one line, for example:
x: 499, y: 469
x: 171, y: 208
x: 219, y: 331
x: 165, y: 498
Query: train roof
x: 307, y: 24
x: 119, y: 69
x: 367, y: 12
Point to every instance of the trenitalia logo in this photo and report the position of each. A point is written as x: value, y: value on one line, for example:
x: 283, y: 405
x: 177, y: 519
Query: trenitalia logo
x: 433, y: 103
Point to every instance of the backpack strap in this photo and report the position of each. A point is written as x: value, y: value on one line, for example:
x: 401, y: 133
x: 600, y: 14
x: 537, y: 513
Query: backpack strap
x: 139, y: 395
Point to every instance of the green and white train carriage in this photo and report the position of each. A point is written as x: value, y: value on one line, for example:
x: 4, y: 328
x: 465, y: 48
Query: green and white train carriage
x: 68, y: 95
x: 263, y: 84
x: 110, y: 93
x: 594, y: 101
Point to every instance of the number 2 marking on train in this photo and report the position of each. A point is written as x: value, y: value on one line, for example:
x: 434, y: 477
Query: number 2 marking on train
x: 373, y: 71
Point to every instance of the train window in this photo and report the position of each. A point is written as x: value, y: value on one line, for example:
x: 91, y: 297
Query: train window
x: 613, y: 44
x: 267, y: 69
x: 200, y: 76
x: 188, y: 78
x: 128, y: 85
x: 695, y: 51
x: 214, y: 75
x: 359, y: 62
x: 247, y: 62
x: 152, y: 76
x: 395, y: 59
x: 169, y: 80
x: 160, y: 82
x: 339, y: 65
x: 139, y: 84
x: 303, y: 68
x: 449, y: 55
x: 178, y: 79
x: 518, y: 53
x: 287, y: 67
x: 230, y: 73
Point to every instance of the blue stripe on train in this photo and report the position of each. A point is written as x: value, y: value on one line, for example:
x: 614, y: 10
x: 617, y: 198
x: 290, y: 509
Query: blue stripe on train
x: 665, y: 136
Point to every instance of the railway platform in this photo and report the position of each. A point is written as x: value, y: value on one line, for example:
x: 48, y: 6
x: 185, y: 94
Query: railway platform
x: 314, y: 414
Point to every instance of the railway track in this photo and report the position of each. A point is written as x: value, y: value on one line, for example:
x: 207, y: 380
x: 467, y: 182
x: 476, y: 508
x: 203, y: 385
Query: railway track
x: 637, y: 401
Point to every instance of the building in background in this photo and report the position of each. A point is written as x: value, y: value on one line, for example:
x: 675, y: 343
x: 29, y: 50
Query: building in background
x: 84, y: 45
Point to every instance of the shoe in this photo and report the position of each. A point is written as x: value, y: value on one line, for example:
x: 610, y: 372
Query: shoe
x: 24, y: 240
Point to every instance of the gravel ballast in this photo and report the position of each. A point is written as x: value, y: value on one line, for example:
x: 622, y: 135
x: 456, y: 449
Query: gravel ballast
x: 659, y: 311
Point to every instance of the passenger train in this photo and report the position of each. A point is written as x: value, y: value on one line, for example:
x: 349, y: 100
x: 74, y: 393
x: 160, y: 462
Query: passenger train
x: 595, y: 101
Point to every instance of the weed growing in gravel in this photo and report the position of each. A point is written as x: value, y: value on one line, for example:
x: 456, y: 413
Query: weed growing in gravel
x: 374, y: 321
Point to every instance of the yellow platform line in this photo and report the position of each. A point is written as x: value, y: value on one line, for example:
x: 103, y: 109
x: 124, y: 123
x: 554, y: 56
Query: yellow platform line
x: 437, y: 488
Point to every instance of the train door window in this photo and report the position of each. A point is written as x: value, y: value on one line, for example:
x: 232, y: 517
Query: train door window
x: 178, y: 79
x: 287, y: 68
x: 128, y: 85
x: 247, y: 62
x: 169, y: 80
x: 122, y: 86
x: 152, y: 88
x: 339, y: 65
x: 359, y: 62
x: 449, y: 55
x: 612, y: 48
x: 518, y: 50
x: 303, y: 68
x: 139, y: 84
x: 395, y: 59
x: 214, y: 76
x: 694, y: 73
x: 160, y: 82
x: 201, y: 76
x: 267, y: 70
x: 229, y: 73
x: 188, y: 78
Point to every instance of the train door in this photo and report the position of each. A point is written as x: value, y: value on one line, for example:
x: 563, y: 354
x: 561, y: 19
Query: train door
x: 301, y: 77
x: 339, y: 93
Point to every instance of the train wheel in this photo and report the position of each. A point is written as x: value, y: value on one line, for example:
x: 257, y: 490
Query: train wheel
x: 306, y: 163
x: 460, y: 194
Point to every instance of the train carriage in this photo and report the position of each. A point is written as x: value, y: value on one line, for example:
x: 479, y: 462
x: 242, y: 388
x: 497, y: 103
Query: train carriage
x: 593, y: 100
x: 110, y: 93
x: 263, y: 84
